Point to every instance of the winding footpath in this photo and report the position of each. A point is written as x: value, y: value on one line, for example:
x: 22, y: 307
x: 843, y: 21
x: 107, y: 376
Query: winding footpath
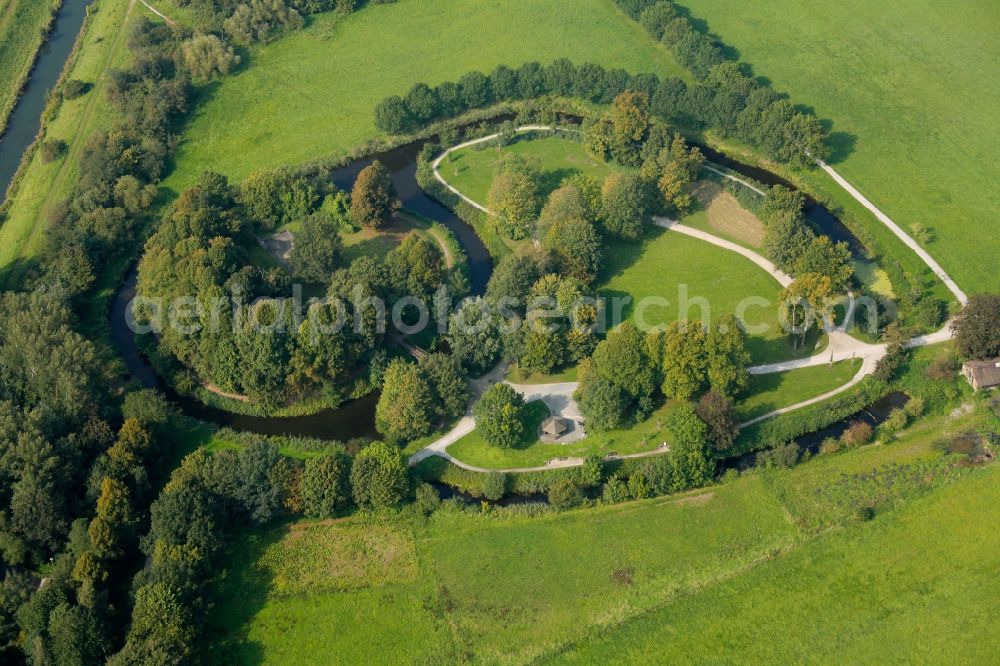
x: 841, y: 347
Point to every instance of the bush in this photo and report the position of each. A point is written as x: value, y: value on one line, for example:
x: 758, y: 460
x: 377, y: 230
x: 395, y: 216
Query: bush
x: 378, y: 477
x: 53, y: 149
x: 859, y: 433
x: 495, y: 486
x: 915, y: 407
x: 75, y: 88
x: 498, y: 416
x: 564, y: 494
x: 427, y: 500
x: 207, y: 57
x: 895, y: 422
x: 783, y: 456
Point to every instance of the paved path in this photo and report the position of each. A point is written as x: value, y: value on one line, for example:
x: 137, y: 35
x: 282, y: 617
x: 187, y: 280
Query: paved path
x: 522, y: 129
x: 841, y: 346
x: 898, y: 231
x: 783, y: 278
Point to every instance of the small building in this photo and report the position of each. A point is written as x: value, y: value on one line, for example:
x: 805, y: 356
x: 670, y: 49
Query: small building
x: 982, y: 374
x: 555, y: 426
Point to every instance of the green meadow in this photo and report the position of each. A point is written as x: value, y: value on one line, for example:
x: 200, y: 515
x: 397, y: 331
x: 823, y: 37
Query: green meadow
x: 774, y: 565
x: 687, y: 273
x: 471, y: 170
x: 781, y: 389
x: 911, y: 89
x: 312, y: 94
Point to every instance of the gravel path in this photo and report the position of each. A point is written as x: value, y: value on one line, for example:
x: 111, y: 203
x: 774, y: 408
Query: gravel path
x: 841, y: 345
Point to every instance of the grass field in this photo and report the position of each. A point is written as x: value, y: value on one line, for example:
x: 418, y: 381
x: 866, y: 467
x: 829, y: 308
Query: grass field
x: 312, y: 94
x: 663, y: 265
x: 22, y: 24
x: 532, y: 452
x: 911, y: 89
x: 681, y: 269
x: 771, y: 566
x: 780, y: 389
x: 471, y: 171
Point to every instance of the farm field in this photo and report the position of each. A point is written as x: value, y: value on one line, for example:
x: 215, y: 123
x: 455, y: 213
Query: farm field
x: 312, y: 94
x: 910, y: 89
x: 874, y: 592
x: 22, y: 23
x: 634, y: 577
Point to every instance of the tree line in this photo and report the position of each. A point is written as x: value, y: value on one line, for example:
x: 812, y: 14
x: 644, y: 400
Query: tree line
x: 724, y: 99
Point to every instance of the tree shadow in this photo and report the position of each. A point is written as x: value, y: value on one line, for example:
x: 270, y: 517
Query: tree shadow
x: 239, y: 593
x: 841, y: 146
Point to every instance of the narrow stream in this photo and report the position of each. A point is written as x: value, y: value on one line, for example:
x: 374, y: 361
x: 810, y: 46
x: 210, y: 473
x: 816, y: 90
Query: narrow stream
x: 26, y: 119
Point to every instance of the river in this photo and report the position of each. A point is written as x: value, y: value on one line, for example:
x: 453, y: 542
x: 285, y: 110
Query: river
x: 26, y: 119
x: 356, y: 418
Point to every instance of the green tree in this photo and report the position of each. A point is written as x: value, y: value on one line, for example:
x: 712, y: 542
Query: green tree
x: 624, y: 206
x: 719, y: 414
x: 513, y: 197
x: 76, y: 637
x: 564, y: 203
x: 498, y: 416
x: 316, y: 249
x: 683, y: 360
x: 512, y: 278
x: 474, y: 335
x: 604, y: 403
x: 576, y: 247
x: 689, y: 455
x: 207, y: 56
x: 825, y: 257
x: 161, y: 630
x: 378, y: 477
x: 373, y: 198
x: 391, y: 115
x: 422, y: 103
x: 977, y: 327
x: 623, y: 360
x: 475, y: 90
x: 416, y: 267
x: 325, y: 485
x: 727, y: 357
x: 543, y: 351
x: 629, y: 125
x: 405, y: 410
x: 449, y: 389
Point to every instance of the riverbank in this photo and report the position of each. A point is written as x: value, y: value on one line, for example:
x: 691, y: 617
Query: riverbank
x: 25, y: 27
